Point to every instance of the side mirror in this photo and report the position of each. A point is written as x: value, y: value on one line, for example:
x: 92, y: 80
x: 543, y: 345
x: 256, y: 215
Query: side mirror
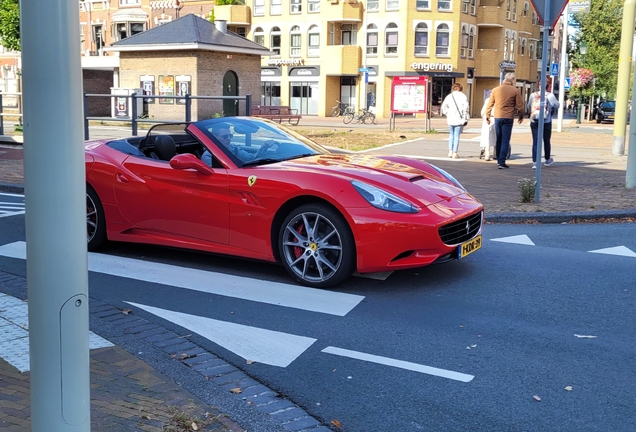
x: 190, y: 161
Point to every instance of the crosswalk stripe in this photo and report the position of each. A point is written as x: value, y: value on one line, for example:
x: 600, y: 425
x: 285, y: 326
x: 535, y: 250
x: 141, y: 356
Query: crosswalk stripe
x: 457, y: 376
x: 275, y: 293
x: 14, y: 334
x: 252, y: 343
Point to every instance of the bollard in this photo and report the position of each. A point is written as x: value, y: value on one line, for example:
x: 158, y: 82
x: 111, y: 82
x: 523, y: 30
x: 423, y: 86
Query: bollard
x: 1, y: 117
x: 133, y: 114
x: 86, y: 132
x: 248, y: 105
x: 188, y: 108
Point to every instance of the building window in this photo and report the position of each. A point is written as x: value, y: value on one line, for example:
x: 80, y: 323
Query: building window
x: 275, y: 7
x: 444, y: 5
x: 274, y: 40
x: 442, y: 43
x: 526, y: 6
x: 473, y: 7
x: 313, y: 48
x: 348, y: 34
x: 513, y: 39
x: 294, y: 41
x: 514, y: 10
x: 471, y: 43
x: 259, y: 7
x: 464, y: 42
x: 127, y: 29
x: 465, y: 4
x: 129, y: 2
x: 391, y: 39
x: 534, y: 17
x: 522, y: 47
x: 505, y: 47
x: 241, y: 31
x: 422, y: 5
x: 373, y: 5
x: 421, y: 40
x: 296, y: 6
x: 531, y: 51
x: 98, y: 36
x: 392, y: 5
x: 259, y: 36
x: 332, y: 34
x: 372, y: 40
x: 508, y: 10
x: 314, y: 5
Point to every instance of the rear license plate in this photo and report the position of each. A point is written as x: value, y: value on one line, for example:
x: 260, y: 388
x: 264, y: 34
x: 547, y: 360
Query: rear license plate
x: 469, y: 247
x: 610, y: 117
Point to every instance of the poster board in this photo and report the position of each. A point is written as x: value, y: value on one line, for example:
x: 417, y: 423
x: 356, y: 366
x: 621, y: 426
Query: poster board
x: 409, y: 94
x: 183, y: 87
x: 166, y: 88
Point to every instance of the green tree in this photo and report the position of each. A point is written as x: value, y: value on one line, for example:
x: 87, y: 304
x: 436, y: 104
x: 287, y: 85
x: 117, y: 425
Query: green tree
x: 601, y: 31
x: 10, y: 24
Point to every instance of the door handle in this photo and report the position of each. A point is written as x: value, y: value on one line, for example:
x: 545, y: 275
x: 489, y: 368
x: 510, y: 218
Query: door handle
x: 121, y: 178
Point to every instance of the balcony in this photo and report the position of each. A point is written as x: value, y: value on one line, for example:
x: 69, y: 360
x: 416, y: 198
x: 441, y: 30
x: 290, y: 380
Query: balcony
x: 492, y: 14
x: 341, y: 10
x: 341, y: 59
x: 233, y: 14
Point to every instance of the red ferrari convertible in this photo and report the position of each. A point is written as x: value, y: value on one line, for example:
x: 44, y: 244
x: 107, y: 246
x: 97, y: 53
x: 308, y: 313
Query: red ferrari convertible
x: 248, y: 187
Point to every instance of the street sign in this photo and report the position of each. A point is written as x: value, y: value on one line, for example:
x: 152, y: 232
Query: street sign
x: 554, y: 70
x: 566, y: 85
x: 579, y: 6
x: 556, y: 8
x: 364, y: 69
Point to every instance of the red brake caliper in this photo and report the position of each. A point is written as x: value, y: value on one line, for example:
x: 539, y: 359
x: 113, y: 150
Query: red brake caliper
x: 297, y: 250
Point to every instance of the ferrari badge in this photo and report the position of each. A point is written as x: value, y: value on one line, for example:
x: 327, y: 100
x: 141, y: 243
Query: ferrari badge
x: 251, y: 180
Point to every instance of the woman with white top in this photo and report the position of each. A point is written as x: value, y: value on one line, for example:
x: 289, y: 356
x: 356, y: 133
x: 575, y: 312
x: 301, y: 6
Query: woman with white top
x: 455, y: 108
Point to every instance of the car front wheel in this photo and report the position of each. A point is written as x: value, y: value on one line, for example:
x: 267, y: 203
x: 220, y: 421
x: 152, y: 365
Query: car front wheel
x: 95, y: 221
x: 316, y: 246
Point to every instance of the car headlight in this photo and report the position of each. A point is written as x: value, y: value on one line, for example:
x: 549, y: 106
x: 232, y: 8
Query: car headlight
x: 382, y: 199
x: 449, y: 177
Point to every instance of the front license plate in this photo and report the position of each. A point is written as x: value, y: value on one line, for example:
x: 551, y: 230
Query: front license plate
x: 610, y: 117
x: 469, y: 247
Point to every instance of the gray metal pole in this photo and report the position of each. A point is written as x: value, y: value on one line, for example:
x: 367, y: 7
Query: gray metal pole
x: 564, y: 56
x: 55, y: 189
x: 630, y: 175
x: 539, y: 154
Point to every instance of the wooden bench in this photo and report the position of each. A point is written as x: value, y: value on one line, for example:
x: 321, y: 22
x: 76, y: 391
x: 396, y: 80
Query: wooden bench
x: 277, y: 113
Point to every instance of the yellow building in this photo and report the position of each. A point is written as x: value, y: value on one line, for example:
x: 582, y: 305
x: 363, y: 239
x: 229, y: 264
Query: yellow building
x: 322, y: 45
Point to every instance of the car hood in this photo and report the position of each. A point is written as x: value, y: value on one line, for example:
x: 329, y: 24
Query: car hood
x: 402, y: 176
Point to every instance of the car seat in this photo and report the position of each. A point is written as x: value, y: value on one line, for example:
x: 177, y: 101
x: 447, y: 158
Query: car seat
x: 165, y: 148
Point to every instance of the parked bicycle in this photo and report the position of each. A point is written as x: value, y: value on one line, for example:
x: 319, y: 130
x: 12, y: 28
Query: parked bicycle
x: 339, y: 109
x: 363, y: 116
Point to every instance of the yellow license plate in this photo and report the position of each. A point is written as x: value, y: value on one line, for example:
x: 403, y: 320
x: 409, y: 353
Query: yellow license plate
x: 469, y: 247
x: 610, y: 117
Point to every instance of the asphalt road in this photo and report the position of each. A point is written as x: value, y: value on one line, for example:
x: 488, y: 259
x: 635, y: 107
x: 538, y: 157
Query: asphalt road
x: 459, y: 346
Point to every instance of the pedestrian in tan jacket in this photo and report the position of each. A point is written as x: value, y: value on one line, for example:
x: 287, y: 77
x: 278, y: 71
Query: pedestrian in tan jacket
x: 505, y: 99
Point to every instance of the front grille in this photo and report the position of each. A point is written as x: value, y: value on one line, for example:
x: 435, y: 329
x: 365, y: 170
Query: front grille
x: 460, y: 231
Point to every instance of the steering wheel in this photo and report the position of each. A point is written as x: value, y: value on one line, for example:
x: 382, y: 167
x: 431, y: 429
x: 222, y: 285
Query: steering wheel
x: 267, y: 146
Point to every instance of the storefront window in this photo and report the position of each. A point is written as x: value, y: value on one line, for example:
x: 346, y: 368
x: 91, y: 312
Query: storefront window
x: 304, y: 97
x: 270, y: 93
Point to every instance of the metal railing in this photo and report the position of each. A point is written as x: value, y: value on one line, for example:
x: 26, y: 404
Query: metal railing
x: 134, y: 115
x: 3, y: 114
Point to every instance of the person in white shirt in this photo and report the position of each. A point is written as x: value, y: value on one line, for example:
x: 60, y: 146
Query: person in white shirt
x: 455, y: 108
x: 534, y: 108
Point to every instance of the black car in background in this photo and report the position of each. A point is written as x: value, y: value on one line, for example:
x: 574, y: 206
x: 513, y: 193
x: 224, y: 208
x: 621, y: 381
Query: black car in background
x: 605, y: 111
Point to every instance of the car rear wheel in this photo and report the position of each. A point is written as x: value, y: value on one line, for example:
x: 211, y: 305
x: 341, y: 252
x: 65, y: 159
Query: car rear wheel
x: 95, y: 221
x: 316, y: 246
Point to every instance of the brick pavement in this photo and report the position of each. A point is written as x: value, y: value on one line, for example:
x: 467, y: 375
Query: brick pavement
x: 126, y: 395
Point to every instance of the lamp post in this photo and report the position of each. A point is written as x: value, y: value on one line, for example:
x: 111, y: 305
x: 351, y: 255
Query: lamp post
x: 583, y: 51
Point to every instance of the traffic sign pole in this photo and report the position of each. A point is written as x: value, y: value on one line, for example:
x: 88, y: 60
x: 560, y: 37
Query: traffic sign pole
x: 564, y: 65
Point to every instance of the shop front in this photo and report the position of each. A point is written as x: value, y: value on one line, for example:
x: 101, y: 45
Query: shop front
x: 304, y: 89
x: 270, y: 85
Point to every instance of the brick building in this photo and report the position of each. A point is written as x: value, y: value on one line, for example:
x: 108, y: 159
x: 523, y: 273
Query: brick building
x: 190, y: 55
x: 320, y: 47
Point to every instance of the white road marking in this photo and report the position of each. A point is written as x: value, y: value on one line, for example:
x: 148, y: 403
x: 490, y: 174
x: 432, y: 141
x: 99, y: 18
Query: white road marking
x: 457, y: 376
x: 280, y: 294
x: 618, y: 250
x: 11, y: 208
x: 518, y: 239
x: 252, y: 343
x: 14, y: 335
x: 12, y: 195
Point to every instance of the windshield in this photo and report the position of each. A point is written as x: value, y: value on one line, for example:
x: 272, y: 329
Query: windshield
x: 609, y: 105
x: 250, y: 141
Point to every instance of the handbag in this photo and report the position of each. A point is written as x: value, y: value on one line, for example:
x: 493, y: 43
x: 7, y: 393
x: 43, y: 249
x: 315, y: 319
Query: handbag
x: 460, y: 113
